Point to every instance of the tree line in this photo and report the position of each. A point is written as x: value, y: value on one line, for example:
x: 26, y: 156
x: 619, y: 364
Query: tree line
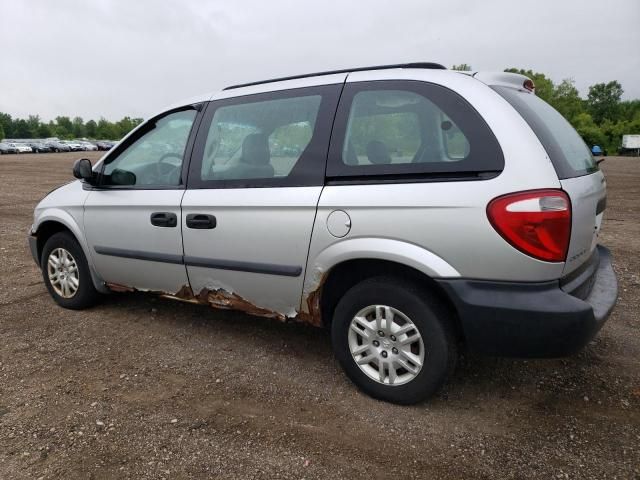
x: 601, y: 118
x: 65, y: 128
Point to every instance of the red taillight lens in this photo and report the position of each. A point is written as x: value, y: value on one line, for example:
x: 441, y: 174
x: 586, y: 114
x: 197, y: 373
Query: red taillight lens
x: 529, y: 85
x: 537, y: 222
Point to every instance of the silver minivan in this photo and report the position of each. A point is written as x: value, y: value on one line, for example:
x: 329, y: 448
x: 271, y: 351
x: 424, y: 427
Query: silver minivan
x: 412, y: 210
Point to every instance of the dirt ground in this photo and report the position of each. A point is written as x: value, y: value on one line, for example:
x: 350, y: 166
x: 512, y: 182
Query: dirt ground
x: 141, y: 387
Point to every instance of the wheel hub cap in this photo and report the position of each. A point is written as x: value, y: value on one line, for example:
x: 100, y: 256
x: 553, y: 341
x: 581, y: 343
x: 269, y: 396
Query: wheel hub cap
x: 386, y: 345
x: 63, y: 273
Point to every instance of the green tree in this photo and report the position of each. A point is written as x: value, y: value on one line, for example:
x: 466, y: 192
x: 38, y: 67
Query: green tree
x: 21, y: 129
x: 1, y: 133
x: 44, y: 131
x: 603, y: 100
x: 463, y: 67
x: 588, y: 130
x: 6, y: 122
x: 566, y: 99
x: 64, y: 127
x: 106, y: 130
x: 33, y: 121
x: 629, y: 109
x: 78, y: 127
x: 613, y: 132
x: 91, y: 127
x: 124, y: 126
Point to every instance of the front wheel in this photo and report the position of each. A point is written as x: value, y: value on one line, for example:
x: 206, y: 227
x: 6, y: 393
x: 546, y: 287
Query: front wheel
x: 66, y: 273
x: 394, y: 340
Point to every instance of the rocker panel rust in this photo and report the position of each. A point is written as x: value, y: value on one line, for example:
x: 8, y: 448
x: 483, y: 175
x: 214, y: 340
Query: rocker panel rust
x: 224, y: 300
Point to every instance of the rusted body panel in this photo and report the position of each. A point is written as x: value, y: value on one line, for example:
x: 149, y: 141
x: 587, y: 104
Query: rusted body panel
x: 115, y: 287
x: 310, y: 311
x: 222, y: 299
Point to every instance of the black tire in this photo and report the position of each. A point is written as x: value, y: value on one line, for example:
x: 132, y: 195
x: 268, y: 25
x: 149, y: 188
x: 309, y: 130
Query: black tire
x: 86, y: 295
x: 427, y: 313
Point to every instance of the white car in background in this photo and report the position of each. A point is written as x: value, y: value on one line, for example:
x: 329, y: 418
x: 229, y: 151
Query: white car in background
x: 74, y: 146
x: 88, y: 146
x: 21, y: 147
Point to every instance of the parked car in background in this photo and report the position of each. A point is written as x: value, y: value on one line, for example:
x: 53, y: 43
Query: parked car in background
x: 87, y: 146
x: 6, y: 148
x: 58, y: 146
x: 22, y: 147
x: 411, y: 211
x: 39, y: 147
x: 73, y: 146
x: 105, y: 145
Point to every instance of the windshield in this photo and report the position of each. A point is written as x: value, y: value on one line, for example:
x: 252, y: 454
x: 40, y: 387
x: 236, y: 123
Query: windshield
x: 569, y: 154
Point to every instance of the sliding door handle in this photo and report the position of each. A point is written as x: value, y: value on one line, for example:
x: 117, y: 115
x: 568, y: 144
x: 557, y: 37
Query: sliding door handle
x: 164, y: 219
x: 201, y: 221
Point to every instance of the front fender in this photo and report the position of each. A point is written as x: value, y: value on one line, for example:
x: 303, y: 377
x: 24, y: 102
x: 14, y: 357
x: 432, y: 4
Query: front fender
x: 63, y: 217
x: 396, y: 251
x: 72, y: 221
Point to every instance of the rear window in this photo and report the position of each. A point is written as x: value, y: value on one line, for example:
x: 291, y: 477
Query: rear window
x: 569, y: 154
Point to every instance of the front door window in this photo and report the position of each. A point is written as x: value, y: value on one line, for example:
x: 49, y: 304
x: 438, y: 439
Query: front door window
x: 155, y: 157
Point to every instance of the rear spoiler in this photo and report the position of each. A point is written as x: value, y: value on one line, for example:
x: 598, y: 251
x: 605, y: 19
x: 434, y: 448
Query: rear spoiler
x: 504, y: 79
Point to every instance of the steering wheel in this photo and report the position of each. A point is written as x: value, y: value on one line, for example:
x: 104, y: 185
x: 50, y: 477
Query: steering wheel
x: 166, y: 172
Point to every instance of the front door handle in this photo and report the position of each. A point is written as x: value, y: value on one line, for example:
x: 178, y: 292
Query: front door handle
x: 164, y: 219
x: 201, y: 221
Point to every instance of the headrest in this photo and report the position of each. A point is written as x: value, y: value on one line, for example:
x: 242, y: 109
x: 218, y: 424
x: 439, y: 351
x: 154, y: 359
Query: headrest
x: 255, y: 149
x: 378, y: 153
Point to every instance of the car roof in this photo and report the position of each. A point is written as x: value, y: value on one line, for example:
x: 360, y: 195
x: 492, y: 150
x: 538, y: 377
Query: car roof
x: 418, y: 71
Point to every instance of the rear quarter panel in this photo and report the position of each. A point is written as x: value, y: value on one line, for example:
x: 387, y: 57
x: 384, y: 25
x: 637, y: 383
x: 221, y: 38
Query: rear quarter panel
x: 447, y: 219
x: 586, y: 193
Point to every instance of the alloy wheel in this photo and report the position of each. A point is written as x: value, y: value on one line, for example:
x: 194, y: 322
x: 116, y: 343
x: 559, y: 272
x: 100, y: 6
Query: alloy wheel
x: 63, y: 273
x: 386, y: 345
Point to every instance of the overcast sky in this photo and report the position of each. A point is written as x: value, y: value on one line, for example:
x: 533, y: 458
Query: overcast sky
x: 113, y: 58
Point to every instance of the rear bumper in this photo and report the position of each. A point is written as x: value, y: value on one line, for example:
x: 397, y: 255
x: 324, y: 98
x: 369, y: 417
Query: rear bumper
x: 535, y: 319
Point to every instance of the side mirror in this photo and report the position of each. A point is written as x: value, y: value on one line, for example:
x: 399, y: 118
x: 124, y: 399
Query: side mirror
x: 82, y: 170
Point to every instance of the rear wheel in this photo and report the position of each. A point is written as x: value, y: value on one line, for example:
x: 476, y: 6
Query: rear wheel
x: 66, y: 273
x: 394, y: 340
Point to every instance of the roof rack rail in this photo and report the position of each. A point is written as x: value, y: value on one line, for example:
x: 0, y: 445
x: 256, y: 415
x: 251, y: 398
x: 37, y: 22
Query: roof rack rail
x: 429, y: 65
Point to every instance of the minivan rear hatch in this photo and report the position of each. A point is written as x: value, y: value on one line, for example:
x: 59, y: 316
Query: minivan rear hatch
x: 577, y: 171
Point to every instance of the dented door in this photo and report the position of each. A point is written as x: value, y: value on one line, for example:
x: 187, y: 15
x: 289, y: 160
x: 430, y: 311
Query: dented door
x: 254, y: 258
x: 255, y: 179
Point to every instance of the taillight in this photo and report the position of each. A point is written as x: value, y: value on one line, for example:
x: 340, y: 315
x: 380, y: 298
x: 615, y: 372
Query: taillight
x: 536, y: 222
x: 529, y: 85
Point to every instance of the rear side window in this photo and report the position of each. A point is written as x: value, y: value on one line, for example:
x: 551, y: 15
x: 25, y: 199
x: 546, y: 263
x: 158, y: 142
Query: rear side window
x: 265, y: 140
x: 569, y: 154
x: 385, y: 126
x: 391, y: 128
x: 259, y: 139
